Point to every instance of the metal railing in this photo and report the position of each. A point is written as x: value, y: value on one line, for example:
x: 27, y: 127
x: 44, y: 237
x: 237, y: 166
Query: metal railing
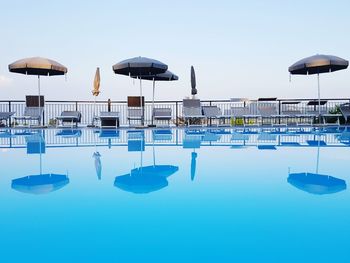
x: 230, y: 137
x: 89, y: 109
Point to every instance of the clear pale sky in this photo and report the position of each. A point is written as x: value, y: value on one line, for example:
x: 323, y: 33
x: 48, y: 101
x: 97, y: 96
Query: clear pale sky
x: 238, y: 48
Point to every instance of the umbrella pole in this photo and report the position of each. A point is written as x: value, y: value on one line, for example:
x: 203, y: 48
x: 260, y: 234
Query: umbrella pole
x: 319, y: 97
x: 154, y: 83
x: 39, y: 98
x: 141, y: 102
x: 318, y: 154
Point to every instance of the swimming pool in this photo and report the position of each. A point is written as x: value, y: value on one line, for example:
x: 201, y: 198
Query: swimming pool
x: 175, y: 195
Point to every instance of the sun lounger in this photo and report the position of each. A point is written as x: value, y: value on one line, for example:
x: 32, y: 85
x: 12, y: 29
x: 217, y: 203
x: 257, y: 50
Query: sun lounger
x: 192, y: 110
x: 314, y: 112
x: 136, y: 107
x: 30, y: 114
x: 162, y: 114
x: 6, y: 116
x: 108, y: 119
x: 33, y: 110
x: 214, y: 112
x: 345, y: 111
x: 268, y: 109
x: 72, y: 117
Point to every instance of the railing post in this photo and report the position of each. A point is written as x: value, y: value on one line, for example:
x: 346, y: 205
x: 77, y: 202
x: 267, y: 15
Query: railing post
x: 177, y: 114
x: 9, y: 111
x: 76, y: 106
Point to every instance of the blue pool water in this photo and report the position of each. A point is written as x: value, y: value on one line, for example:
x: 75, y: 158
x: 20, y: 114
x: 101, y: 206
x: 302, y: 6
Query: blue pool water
x: 217, y: 195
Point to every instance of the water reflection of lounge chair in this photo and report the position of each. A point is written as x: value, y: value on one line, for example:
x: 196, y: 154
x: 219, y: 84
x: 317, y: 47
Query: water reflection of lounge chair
x: 162, y: 135
x: 239, y: 139
x: 35, y: 144
x: 136, y: 141
x: 69, y: 133
x: 316, y: 183
x: 109, y: 134
x: 267, y: 141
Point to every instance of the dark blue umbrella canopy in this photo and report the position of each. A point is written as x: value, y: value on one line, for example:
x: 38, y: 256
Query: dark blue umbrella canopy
x: 40, y: 184
x: 318, y: 64
x: 166, y: 76
x: 140, y: 66
x: 145, y: 179
x: 316, y: 183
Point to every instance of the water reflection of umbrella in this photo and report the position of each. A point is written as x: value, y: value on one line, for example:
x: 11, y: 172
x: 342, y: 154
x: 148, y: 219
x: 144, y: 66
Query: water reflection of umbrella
x: 166, y: 76
x: 40, y: 184
x: 145, y: 179
x: 98, y: 165
x: 315, y: 183
x: 39, y: 67
x: 193, y: 164
x: 316, y: 65
x: 140, y: 66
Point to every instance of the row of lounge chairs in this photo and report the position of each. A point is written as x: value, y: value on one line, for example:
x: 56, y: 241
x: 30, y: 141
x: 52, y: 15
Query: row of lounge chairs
x: 241, y: 110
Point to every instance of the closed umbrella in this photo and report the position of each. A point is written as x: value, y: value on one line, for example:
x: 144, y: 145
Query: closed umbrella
x: 193, y: 82
x: 166, y: 76
x: 96, y: 87
x: 38, y: 66
x: 316, y: 65
x: 98, y: 165
x: 140, y: 66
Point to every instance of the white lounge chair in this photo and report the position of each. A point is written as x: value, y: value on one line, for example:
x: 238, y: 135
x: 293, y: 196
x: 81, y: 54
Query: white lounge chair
x: 108, y: 119
x: 162, y: 114
x: 345, y: 110
x: 30, y: 114
x: 192, y: 110
x: 268, y: 109
x: 214, y: 112
x: 6, y: 116
x: 136, y: 107
x: 72, y: 117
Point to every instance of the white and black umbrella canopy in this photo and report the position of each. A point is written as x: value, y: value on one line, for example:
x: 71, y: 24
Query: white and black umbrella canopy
x: 38, y: 66
x: 140, y: 66
x: 318, y: 64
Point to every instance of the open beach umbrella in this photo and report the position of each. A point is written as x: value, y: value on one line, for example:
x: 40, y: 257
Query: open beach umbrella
x: 316, y: 65
x: 38, y: 66
x: 96, y: 87
x: 315, y: 183
x: 166, y: 76
x: 193, y: 82
x: 140, y: 66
